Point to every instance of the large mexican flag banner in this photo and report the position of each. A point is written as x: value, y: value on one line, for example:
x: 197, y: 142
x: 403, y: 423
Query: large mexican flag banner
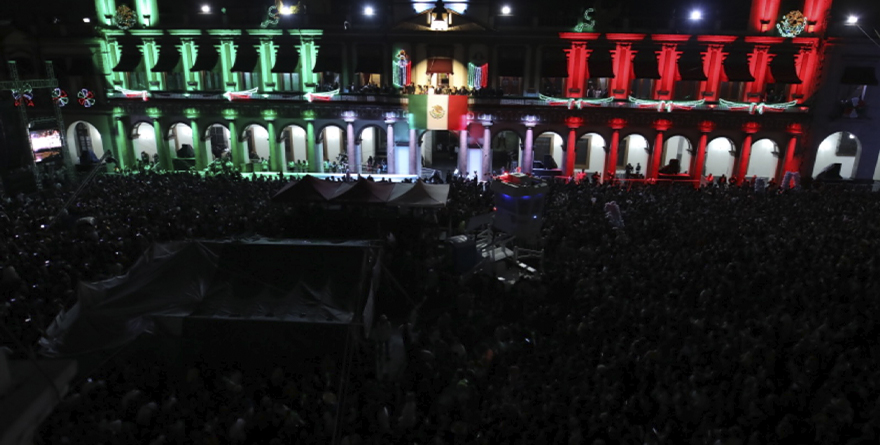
x: 438, y: 111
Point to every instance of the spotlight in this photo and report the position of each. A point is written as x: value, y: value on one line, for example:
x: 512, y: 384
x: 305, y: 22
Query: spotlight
x: 206, y: 9
x: 368, y: 10
x: 696, y: 14
x: 505, y: 10
x: 852, y: 20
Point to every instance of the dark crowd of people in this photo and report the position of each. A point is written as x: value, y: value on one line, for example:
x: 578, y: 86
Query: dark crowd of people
x: 712, y: 316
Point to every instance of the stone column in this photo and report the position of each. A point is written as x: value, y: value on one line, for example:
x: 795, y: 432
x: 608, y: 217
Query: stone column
x: 791, y: 163
x: 573, y: 124
x: 199, y: 145
x: 353, y: 162
x: 276, y: 154
x: 706, y: 127
x: 616, y: 124
x: 162, y: 145
x: 749, y: 129
x: 391, y: 149
x: 316, y: 157
x: 462, y: 150
x: 486, y: 152
x: 528, y: 151
x: 238, y: 155
x: 123, y: 144
x: 661, y: 125
x: 415, y: 154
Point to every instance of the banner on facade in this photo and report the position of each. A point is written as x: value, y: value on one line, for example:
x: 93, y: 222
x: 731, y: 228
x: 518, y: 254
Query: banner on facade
x: 438, y: 111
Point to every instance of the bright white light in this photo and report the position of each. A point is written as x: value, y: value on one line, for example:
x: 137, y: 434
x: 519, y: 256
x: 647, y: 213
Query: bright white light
x: 505, y: 10
x: 852, y: 20
x: 87, y: 20
x: 286, y: 10
x: 852, y: 136
x: 696, y: 14
x: 206, y: 9
x: 368, y: 10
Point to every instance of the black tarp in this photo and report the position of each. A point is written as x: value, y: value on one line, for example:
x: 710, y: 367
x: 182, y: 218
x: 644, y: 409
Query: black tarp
x: 130, y: 56
x: 246, y: 57
x: 286, y: 56
x: 645, y: 65
x: 600, y: 64
x: 206, y: 56
x: 169, y: 57
x: 258, y: 280
x: 369, y: 59
x: 511, y: 61
x: 401, y: 194
x: 690, y: 63
x: 783, y: 69
x: 329, y: 59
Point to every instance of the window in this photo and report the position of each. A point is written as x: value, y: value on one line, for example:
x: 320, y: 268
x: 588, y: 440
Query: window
x: 732, y: 91
x: 211, y: 81
x: 687, y: 90
x: 247, y: 81
x: 288, y: 82
x: 173, y: 81
x: 136, y: 80
x: 83, y: 140
x: 642, y: 88
x: 512, y: 86
x: 596, y: 88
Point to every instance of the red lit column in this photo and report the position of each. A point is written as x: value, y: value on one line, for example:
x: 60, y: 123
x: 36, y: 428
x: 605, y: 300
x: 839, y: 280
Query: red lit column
x: 462, y: 150
x: 486, y: 153
x: 816, y: 12
x: 616, y: 124
x: 577, y: 65
x: 573, y: 124
x: 749, y: 129
x: 714, y: 68
x: 528, y: 157
x: 760, y: 61
x: 792, y: 163
x: 667, y: 62
x: 763, y: 14
x: 661, y: 125
x: 807, y: 66
x: 623, y: 65
x: 706, y: 127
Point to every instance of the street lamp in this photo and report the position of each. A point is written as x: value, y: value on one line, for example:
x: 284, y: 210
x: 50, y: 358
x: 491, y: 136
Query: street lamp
x: 505, y: 10
x: 696, y: 15
x: 853, y: 20
x: 206, y: 9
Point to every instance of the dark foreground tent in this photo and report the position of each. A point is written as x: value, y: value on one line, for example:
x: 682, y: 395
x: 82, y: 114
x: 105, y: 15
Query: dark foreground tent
x: 317, y: 284
x: 401, y: 194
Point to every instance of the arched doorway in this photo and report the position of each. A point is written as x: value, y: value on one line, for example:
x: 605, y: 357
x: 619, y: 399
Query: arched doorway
x: 720, y: 158
x: 180, y: 141
x: 677, y: 149
x: 439, y: 149
x: 372, y: 145
x: 506, y: 151
x: 549, y: 146
x: 82, y: 139
x: 143, y: 140
x: 295, y: 149
x: 330, y: 142
x: 634, y: 153
x: 841, y: 148
x: 256, y: 143
x: 217, y: 141
x: 763, y: 160
x: 590, y: 153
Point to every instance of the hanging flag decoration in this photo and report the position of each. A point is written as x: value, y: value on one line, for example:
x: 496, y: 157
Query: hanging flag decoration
x: 753, y: 107
x: 572, y: 102
x: 667, y: 105
x: 321, y: 97
x: 133, y: 94
x: 59, y: 96
x: 478, y: 75
x: 86, y: 97
x: 239, y: 95
x: 402, y: 70
x: 438, y: 111
x: 24, y: 96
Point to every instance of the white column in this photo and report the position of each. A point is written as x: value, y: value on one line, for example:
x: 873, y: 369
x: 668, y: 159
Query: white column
x: 391, y: 155
x: 486, y: 152
x: 462, y: 151
x: 353, y: 165
x: 528, y: 154
x: 415, y: 155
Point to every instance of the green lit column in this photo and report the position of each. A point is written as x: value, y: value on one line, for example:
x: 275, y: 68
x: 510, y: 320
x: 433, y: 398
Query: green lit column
x: 188, y: 57
x: 267, y: 58
x: 307, y: 62
x: 105, y: 9
x: 148, y: 12
x: 226, y: 59
x: 316, y: 158
x: 161, y: 139
x: 198, y: 143
x: 151, y: 55
x: 124, y: 147
x: 234, y: 142
x: 276, y: 156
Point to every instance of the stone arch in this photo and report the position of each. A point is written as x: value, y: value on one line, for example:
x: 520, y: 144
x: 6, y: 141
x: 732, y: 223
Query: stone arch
x: 217, y: 140
x: 549, y: 143
x: 82, y: 138
x: 720, y: 157
x: 330, y: 142
x: 590, y: 153
x: 679, y: 148
x: 143, y: 141
x: 634, y: 150
x: 256, y: 143
x: 371, y: 142
x: 438, y: 148
x: 180, y: 135
x: 763, y: 159
x: 507, y: 150
x: 296, y: 148
x: 842, y: 148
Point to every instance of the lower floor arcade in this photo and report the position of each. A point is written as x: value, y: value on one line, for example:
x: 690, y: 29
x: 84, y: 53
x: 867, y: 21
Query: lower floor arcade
x: 487, y: 146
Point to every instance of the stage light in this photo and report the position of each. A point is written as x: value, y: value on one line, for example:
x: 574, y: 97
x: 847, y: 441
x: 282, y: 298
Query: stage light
x: 206, y: 9
x: 696, y: 14
x: 368, y: 10
x: 505, y: 10
x: 852, y: 20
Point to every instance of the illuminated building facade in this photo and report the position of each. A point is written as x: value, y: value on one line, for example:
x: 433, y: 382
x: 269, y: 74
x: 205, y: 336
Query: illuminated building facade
x: 276, y: 85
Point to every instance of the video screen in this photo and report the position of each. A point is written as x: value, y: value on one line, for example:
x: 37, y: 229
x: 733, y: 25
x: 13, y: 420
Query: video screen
x: 46, y: 144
